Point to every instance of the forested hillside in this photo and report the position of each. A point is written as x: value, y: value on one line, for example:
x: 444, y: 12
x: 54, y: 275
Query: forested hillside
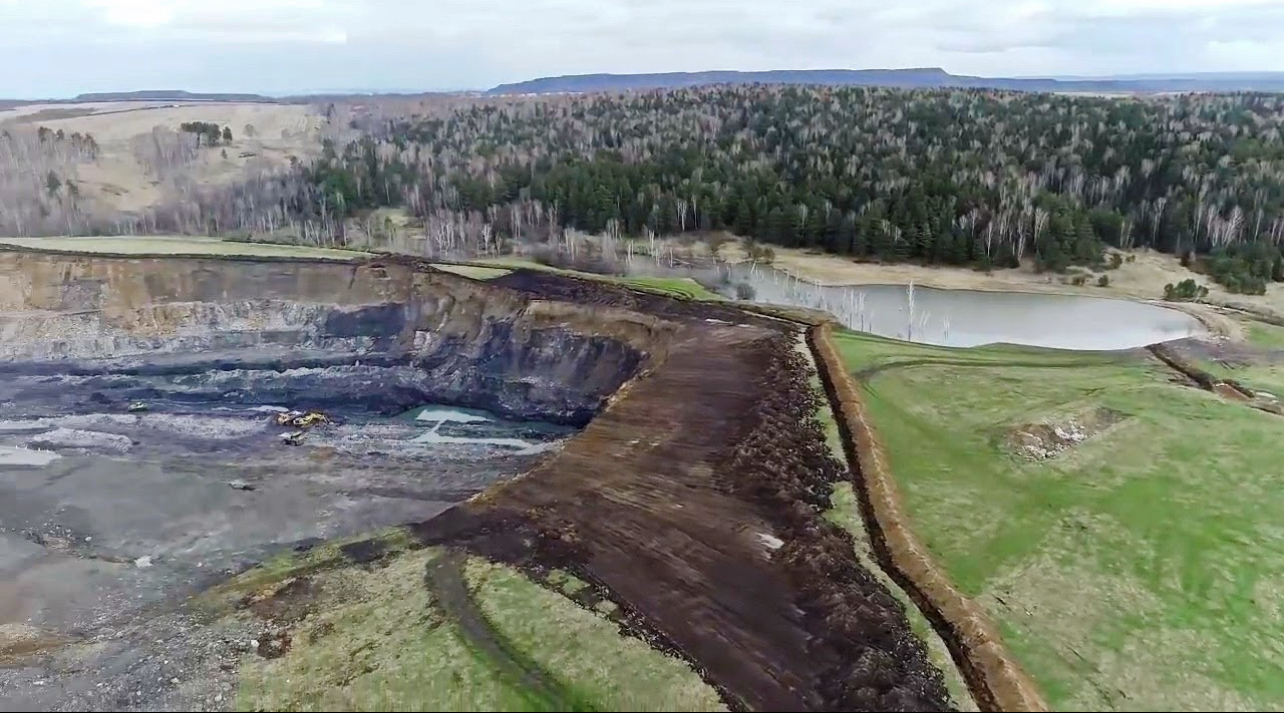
x: 943, y: 176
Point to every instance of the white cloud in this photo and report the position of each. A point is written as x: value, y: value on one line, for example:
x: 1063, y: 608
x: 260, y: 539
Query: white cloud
x: 132, y: 13
x: 67, y: 46
x: 223, y: 20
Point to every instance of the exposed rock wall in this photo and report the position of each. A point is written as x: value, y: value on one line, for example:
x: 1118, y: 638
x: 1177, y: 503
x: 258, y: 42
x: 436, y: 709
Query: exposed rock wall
x: 254, y: 328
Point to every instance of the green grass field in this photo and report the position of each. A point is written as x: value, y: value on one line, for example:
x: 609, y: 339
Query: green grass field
x: 679, y: 287
x: 177, y: 245
x: 1142, y: 568
x: 473, y: 272
x: 438, y: 631
x: 1265, y: 335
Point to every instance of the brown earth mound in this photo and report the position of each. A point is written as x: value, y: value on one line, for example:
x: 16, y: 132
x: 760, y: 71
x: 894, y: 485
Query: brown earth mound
x: 694, y: 503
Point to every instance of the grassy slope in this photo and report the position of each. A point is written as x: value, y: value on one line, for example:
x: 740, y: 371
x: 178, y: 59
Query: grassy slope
x: 680, y: 287
x: 610, y: 671
x: 1266, y: 335
x: 1139, y: 569
x: 1262, y: 375
x: 379, y: 639
x: 474, y: 272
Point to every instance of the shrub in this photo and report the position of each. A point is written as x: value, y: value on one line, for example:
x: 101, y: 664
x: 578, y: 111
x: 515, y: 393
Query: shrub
x: 715, y: 241
x: 762, y: 253
x: 1115, y: 261
x: 1104, y: 280
x: 1079, y: 280
x: 1245, y: 268
x: 745, y: 291
x: 1184, y: 291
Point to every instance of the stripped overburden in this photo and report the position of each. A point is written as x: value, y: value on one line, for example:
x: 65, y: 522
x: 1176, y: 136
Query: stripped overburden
x: 996, y: 680
x: 694, y: 502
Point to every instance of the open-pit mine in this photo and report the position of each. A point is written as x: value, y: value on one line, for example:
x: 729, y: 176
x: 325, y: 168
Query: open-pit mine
x: 173, y: 423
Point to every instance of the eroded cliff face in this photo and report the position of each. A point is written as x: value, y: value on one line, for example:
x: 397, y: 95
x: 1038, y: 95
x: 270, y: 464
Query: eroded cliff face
x: 380, y: 335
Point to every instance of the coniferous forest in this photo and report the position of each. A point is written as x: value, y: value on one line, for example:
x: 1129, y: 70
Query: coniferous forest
x: 962, y: 177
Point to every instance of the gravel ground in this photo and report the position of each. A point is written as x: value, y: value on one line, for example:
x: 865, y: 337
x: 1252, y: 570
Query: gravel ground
x: 110, y: 522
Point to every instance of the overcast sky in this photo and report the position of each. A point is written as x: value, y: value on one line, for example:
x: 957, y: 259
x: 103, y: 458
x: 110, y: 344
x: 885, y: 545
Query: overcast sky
x: 56, y: 48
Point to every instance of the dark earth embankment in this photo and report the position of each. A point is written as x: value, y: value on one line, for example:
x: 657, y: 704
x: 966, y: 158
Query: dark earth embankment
x: 694, y: 502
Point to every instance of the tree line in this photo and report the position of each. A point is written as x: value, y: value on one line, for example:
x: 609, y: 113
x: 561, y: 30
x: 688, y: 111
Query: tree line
x: 944, y: 176
x: 38, y: 190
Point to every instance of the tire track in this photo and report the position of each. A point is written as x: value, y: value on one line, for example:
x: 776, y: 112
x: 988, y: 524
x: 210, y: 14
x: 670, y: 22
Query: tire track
x: 445, y: 579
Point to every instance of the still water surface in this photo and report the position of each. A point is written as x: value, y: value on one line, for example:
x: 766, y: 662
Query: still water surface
x: 967, y: 318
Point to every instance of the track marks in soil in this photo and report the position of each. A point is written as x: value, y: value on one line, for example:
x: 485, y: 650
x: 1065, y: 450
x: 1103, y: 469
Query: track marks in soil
x: 445, y: 579
x: 660, y: 500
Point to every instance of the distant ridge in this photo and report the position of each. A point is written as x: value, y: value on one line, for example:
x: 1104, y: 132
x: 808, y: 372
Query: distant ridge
x: 925, y: 78
x: 170, y: 95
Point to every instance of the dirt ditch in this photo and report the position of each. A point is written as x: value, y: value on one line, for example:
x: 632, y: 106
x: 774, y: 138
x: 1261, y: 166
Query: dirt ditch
x: 996, y: 680
x: 1229, y: 389
x: 693, y: 502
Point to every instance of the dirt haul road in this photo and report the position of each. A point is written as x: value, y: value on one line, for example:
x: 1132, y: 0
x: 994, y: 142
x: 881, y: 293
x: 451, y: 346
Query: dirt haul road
x: 694, y: 502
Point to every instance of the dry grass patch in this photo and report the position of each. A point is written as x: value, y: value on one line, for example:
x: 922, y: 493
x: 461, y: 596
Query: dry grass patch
x: 177, y: 245
x: 119, y: 181
x: 474, y: 272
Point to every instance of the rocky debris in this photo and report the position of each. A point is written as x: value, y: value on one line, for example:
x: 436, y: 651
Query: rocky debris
x: 137, y: 407
x: 274, y: 644
x: 143, y: 562
x: 283, y: 604
x: 70, y: 438
x: 21, y: 639
x: 300, y: 419
x: 54, y: 537
x: 171, y: 662
x: 1041, y: 441
x: 239, y: 484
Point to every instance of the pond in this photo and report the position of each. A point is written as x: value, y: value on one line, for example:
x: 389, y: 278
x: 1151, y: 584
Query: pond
x: 967, y: 318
